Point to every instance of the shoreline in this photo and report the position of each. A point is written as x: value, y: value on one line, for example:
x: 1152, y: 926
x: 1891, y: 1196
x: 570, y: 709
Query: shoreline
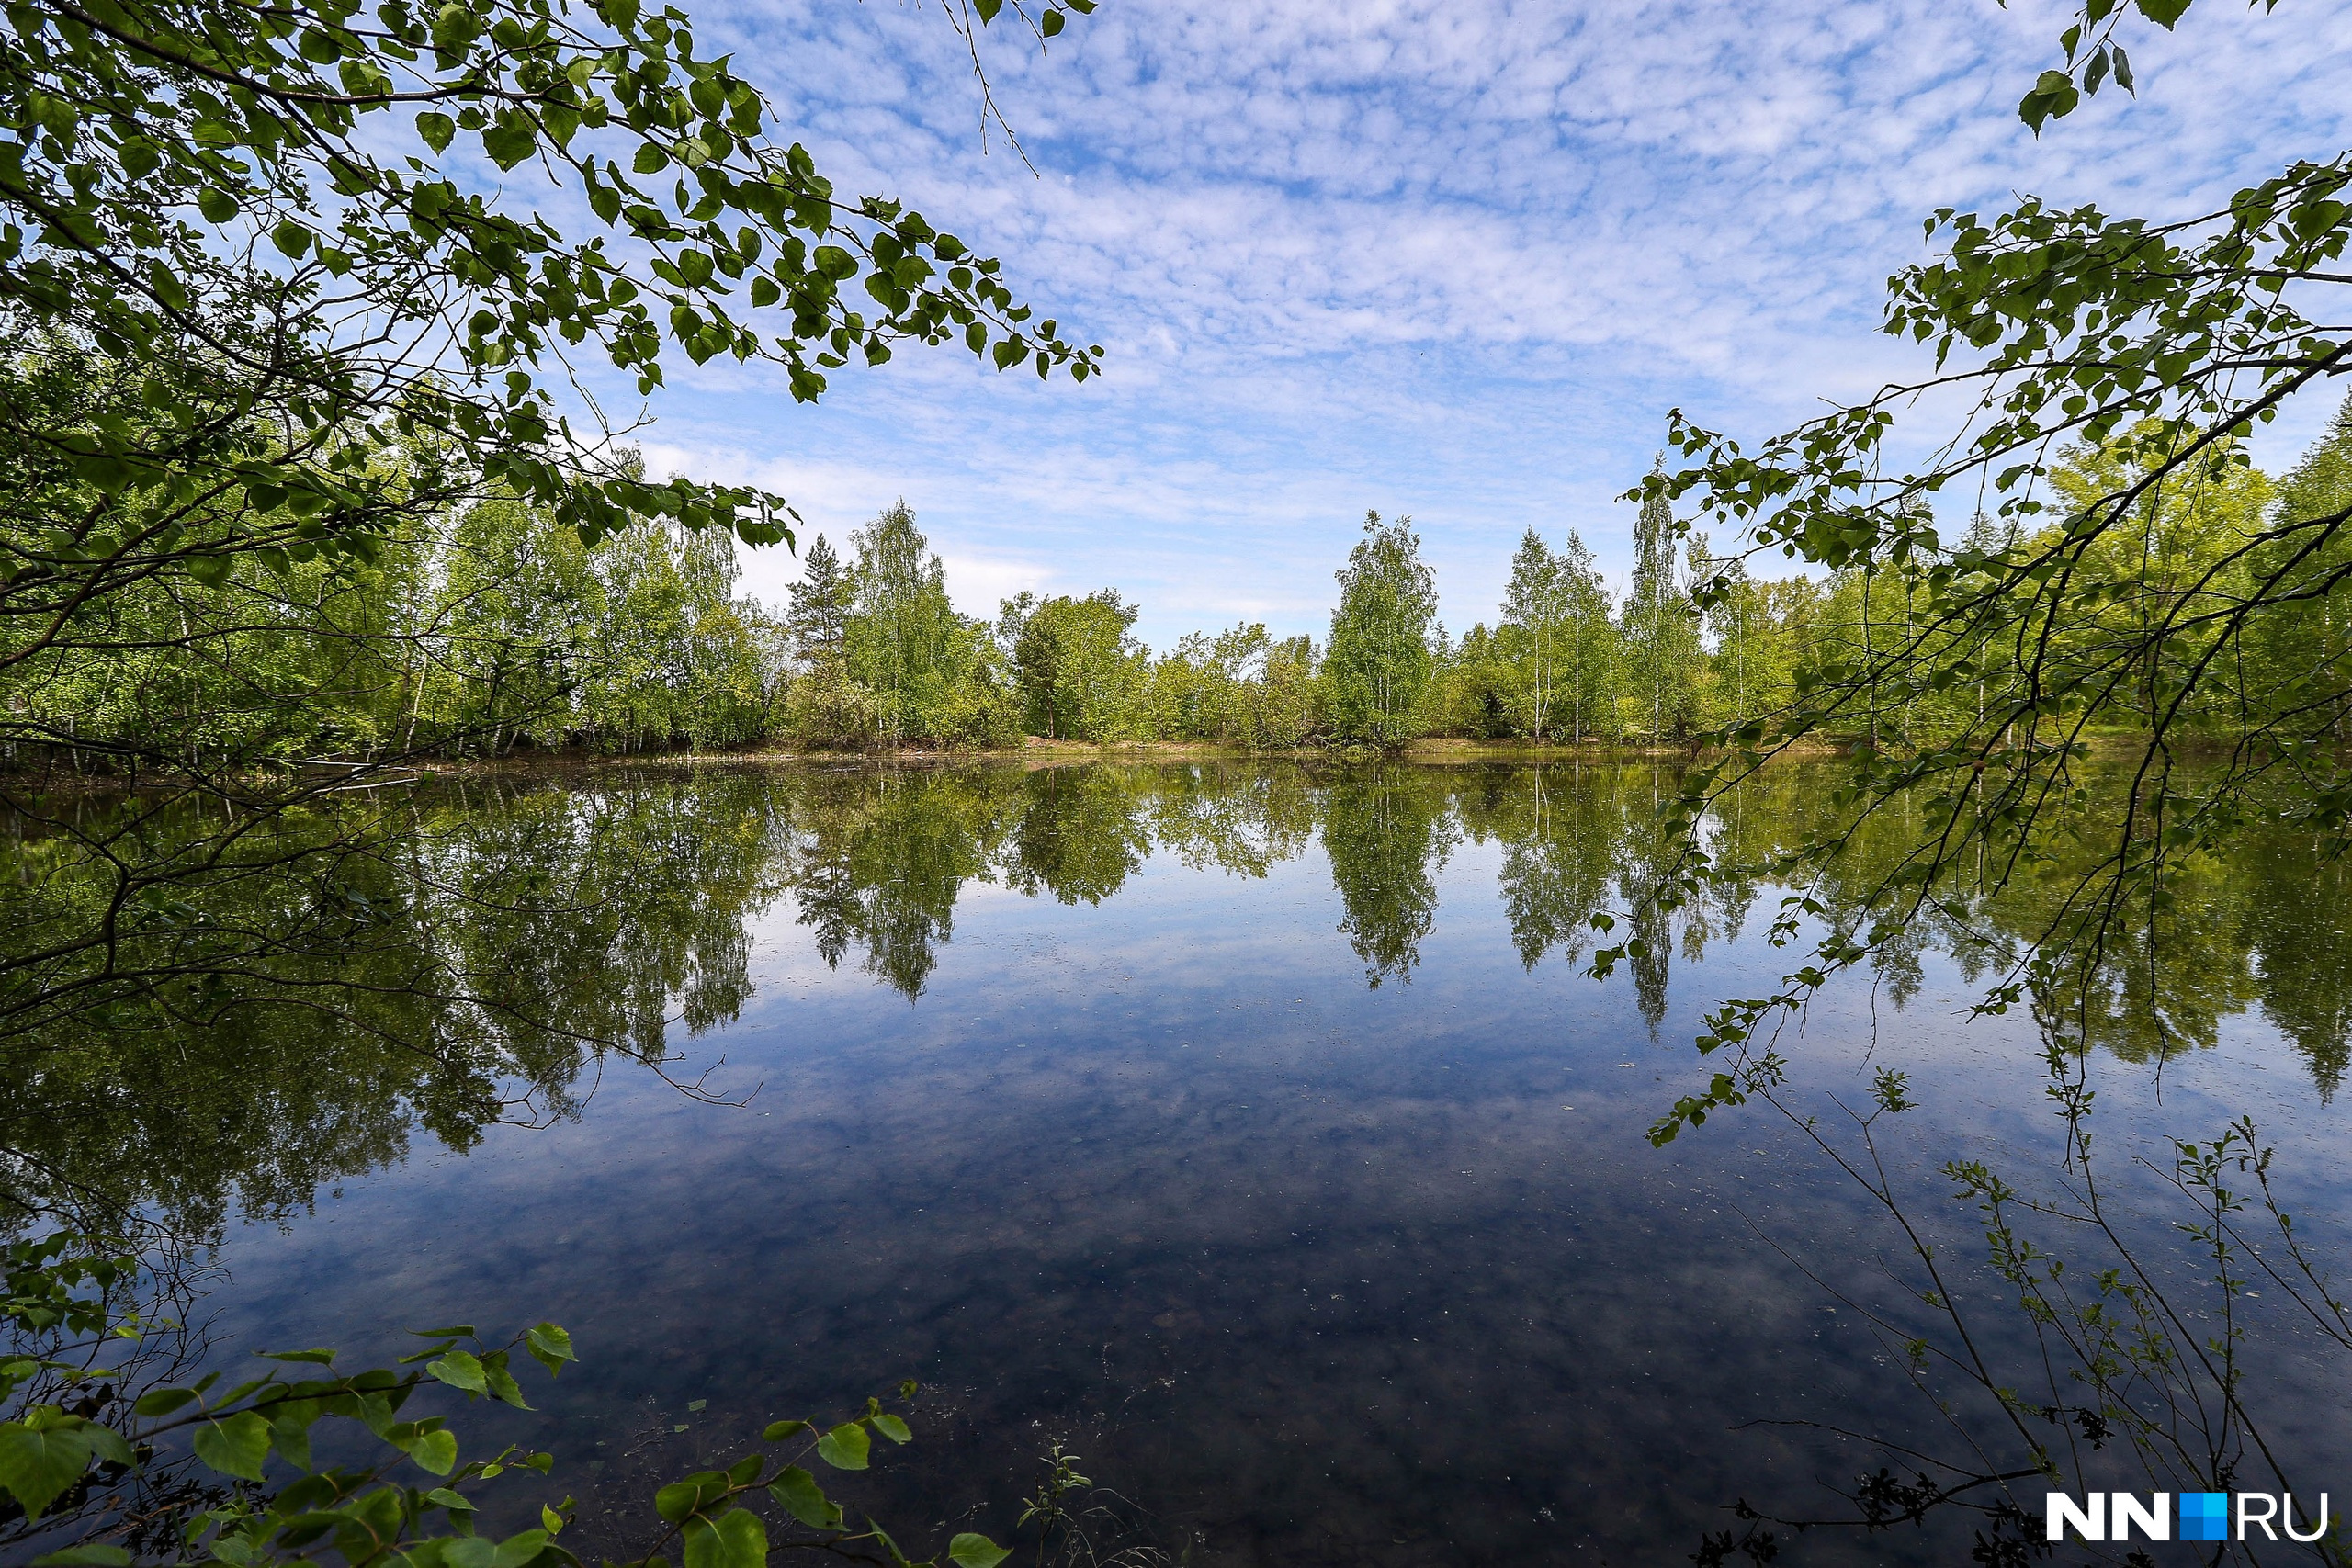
x: 1036, y: 752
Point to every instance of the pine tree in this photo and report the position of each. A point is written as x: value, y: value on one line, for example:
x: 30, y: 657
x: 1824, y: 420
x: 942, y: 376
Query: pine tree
x: 820, y: 603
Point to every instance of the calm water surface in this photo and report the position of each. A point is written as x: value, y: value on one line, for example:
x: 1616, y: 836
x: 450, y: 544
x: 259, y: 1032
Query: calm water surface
x: 1252, y: 1133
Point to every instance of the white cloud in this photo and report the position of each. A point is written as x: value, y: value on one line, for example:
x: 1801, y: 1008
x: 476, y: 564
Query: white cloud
x: 1454, y: 259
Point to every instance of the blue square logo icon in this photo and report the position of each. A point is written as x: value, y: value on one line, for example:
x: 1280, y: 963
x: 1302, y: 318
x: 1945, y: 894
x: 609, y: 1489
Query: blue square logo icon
x: 2204, y: 1516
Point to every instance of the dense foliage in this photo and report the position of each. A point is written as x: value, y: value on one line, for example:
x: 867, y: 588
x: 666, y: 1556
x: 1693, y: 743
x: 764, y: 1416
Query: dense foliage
x: 2124, y: 572
x: 498, y: 628
x: 1695, y: 651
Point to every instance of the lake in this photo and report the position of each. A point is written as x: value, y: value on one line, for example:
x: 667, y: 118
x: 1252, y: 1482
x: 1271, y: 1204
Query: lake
x: 1252, y: 1131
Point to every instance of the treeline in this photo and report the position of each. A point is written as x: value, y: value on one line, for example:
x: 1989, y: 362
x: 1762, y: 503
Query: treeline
x: 1693, y: 644
x: 494, y: 628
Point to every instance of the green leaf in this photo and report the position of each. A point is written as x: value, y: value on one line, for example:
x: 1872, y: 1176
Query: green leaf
x: 779, y: 1430
x: 893, y: 1428
x: 88, y: 1555
x: 236, y: 1446
x: 292, y: 1439
x: 510, y: 141
x: 649, y: 159
x: 746, y: 1535
x: 436, y: 130
x: 163, y: 1401
x: 970, y: 1551
x: 804, y: 1500
x: 988, y: 9
x: 458, y: 1331
x: 436, y: 1452
x: 1051, y: 23
x: 322, y: 1358
x: 459, y: 1369
x: 844, y: 1448
x: 218, y: 206
x: 35, y: 1466
x: 735, y: 1539
x: 681, y: 1499
x: 550, y: 1346
x: 519, y: 1549
x: 501, y: 1381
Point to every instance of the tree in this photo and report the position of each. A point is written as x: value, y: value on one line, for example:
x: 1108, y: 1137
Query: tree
x: 821, y: 605
x: 903, y: 640
x: 1287, y: 707
x: 1661, y: 626
x: 1378, y: 658
x: 2157, y: 347
x: 1082, y: 676
x: 2309, y: 646
x: 1592, y: 639
x: 1537, y: 607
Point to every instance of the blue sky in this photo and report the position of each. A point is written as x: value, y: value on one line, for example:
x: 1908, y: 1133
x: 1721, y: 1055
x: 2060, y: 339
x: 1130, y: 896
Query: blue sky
x: 1455, y: 259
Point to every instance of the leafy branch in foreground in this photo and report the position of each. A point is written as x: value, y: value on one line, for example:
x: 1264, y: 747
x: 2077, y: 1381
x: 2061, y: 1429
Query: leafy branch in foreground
x: 79, y: 1452
x: 166, y: 162
x: 2114, y: 368
x: 290, y: 285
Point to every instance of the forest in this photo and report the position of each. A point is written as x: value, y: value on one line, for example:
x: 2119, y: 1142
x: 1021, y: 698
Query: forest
x: 492, y: 628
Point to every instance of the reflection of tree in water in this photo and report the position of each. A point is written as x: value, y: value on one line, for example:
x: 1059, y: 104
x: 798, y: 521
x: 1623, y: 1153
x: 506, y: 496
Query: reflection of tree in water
x: 1387, y: 831
x: 1080, y: 834
x: 438, y: 963
x: 1643, y: 886
x: 1561, y: 829
x: 432, y: 961
x: 2299, y: 944
x: 1239, y: 818
x: 879, y: 858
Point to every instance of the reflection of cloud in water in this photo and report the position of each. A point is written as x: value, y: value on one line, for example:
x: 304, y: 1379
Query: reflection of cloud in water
x: 1326, y: 1273
x: 1078, y: 1102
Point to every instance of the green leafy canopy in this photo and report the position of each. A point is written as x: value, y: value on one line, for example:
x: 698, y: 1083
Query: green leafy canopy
x: 262, y: 210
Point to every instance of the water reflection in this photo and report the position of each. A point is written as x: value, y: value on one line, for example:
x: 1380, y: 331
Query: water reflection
x: 336, y: 980
x: 1250, y: 1125
x: 432, y: 962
